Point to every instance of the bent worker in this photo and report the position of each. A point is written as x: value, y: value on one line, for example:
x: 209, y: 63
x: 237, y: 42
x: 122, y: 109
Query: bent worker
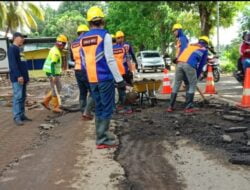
x: 189, y: 64
x: 99, y: 63
x: 81, y: 76
x: 19, y: 77
x: 53, y: 69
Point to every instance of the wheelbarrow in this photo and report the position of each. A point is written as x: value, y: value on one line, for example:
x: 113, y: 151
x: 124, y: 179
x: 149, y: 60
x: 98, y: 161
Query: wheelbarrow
x: 147, y: 90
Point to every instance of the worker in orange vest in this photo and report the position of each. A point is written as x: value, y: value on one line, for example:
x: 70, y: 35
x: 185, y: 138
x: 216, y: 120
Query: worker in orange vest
x: 189, y: 65
x: 123, y: 61
x: 86, y: 104
x: 102, y: 72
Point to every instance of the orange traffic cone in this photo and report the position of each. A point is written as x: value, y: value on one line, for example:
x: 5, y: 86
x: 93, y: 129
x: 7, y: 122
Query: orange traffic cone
x: 166, y: 88
x: 245, y: 102
x: 210, y: 88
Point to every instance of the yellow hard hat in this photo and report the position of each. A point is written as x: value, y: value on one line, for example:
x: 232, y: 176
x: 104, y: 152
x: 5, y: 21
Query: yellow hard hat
x: 119, y: 34
x: 83, y: 28
x: 176, y: 27
x: 94, y: 13
x: 62, y: 38
x: 204, y: 38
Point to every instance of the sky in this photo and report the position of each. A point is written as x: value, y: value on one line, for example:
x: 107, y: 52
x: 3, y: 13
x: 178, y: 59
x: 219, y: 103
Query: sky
x: 226, y: 35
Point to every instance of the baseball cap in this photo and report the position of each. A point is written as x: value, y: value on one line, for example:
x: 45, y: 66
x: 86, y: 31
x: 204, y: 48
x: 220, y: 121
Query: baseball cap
x: 18, y: 34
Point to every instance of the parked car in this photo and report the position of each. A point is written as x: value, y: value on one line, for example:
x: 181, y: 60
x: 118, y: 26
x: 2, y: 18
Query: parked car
x: 150, y: 60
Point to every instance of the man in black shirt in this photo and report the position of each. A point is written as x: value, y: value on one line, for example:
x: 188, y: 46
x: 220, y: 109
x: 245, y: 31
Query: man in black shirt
x: 19, y: 77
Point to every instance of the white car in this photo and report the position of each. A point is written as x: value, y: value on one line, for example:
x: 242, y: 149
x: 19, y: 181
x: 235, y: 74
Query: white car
x: 150, y: 60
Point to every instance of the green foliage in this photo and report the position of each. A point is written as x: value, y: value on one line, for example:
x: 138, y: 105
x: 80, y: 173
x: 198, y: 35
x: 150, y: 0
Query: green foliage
x: 65, y: 23
x: 206, y: 10
x: 148, y: 25
x: 230, y: 56
x: 15, y: 14
x: 245, y: 19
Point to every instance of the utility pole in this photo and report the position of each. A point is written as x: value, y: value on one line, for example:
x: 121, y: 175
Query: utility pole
x: 218, y: 26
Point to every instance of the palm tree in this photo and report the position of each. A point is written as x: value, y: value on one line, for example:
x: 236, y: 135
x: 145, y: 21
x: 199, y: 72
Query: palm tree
x: 20, y: 14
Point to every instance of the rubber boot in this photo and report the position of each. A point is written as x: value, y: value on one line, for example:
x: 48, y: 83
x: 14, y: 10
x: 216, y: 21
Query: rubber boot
x: 102, y: 137
x: 87, y: 111
x: 82, y: 105
x: 189, y: 103
x: 172, y: 102
x: 55, y: 103
x: 46, y: 100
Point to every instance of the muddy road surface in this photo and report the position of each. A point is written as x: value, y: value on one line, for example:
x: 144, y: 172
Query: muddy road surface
x: 208, y: 150
x: 160, y: 150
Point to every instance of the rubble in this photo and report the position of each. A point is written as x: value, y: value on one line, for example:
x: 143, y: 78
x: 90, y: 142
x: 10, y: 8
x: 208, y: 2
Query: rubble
x: 46, y: 126
x: 227, y: 139
x: 235, y: 129
x: 233, y: 118
x: 241, y: 160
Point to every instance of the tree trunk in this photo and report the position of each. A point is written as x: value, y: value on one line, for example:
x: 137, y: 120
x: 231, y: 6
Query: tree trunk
x: 205, y: 14
x: 163, y: 39
x: 7, y: 31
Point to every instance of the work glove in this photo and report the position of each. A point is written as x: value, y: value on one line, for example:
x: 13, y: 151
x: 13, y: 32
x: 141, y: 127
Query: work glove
x: 130, y: 75
x: 121, y: 85
x: 175, y: 60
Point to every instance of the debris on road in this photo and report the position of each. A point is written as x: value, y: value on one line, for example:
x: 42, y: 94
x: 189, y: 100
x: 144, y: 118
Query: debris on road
x: 233, y: 118
x: 227, y: 139
x: 236, y: 129
x: 46, y: 126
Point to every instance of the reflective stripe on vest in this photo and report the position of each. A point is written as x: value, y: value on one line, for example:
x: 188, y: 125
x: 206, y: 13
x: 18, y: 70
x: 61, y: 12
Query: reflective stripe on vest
x: 53, y: 57
x: 185, y: 55
x: 75, y: 47
x: 119, y: 54
x: 89, y: 45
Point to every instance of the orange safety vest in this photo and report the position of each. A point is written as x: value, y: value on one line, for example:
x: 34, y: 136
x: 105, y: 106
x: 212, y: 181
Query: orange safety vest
x: 119, y: 54
x: 75, y: 47
x: 95, y: 63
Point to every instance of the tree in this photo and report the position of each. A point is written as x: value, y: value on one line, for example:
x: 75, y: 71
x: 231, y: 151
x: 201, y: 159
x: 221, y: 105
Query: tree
x: 245, y: 19
x: 147, y: 25
x: 206, y: 10
x: 55, y: 24
x: 20, y: 14
x: 80, y: 6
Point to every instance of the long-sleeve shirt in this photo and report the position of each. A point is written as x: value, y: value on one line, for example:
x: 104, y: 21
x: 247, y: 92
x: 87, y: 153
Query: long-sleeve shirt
x: 196, y: 56
x: 181, y: 43
x: 108, y: 52
x: 17, y: 67
x: 243, y: 51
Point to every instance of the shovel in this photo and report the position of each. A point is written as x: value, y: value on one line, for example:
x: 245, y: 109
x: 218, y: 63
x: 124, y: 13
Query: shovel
x: 202, y: 95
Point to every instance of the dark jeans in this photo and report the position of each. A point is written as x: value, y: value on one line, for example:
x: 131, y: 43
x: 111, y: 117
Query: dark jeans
x: 84, y: 88
x: 246, y: 64
x: 104, y: 94
x: 19, y: 96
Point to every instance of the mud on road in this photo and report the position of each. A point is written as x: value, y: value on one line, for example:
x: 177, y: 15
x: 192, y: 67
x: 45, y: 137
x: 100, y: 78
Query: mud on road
x: 157, y: 147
